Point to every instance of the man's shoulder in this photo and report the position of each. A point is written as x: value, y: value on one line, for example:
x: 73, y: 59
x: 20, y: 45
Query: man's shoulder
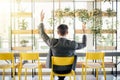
x: 62, y: 40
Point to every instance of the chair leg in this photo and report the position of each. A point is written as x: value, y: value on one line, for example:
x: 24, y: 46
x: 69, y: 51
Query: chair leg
x: 25, y: 74
x: 104, y: 72
x: 13, y: 73
x: 74, y: 75
x: 51, y: 76
x: 40, y: 73
x: 97, y: 74
x: 3, y: 74
x: 19, y: 73
x: 82, y: 73
x: 85, y: 72
x: 70, y: 78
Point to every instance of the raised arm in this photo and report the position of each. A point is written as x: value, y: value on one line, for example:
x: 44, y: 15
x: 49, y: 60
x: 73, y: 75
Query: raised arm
x: 84, y: 38
x: 41, y: 29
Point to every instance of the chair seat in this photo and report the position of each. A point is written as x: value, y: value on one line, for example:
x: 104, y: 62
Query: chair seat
x: 92, y: 65
x: 5, y: 65
x: 71, y: 73
x: 30, y: 65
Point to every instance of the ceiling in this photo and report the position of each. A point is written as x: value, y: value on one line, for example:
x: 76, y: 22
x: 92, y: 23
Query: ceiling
x: 52, y: 0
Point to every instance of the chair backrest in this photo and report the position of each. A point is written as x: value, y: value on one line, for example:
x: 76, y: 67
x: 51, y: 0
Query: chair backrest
x: 6, y: 56
x: 29, y: 56
x: 62, y: 61
x: 62, y: 65
x: 95, y: 55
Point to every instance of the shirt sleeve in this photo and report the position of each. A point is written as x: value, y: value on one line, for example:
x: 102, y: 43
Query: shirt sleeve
x: 83, y: 44
x: 42, y: 33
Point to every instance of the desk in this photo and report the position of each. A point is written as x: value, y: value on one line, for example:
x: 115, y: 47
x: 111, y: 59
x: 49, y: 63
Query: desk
x: 80, y: 54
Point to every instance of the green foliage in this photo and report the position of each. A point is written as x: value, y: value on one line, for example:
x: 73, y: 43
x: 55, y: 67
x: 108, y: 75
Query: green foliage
x: 107, y: 0
x: 51, y: 21
x: 84, y: 15
x: 23, y: 42
x: 96, y: 21
x: 67, y: 9
x: 110, y: 12
x: 97, y: 12
x: 23, y: 25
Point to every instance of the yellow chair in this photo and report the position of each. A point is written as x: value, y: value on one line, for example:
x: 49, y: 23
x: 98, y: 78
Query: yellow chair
x: 62, y: 61
x: 7, y: 56
x: 98, y: 57
x: 30, y: 65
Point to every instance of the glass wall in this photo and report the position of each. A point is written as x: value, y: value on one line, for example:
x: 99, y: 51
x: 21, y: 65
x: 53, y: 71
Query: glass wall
x: 26, y: 13
x: 102, y: 20
x: 4, y: 24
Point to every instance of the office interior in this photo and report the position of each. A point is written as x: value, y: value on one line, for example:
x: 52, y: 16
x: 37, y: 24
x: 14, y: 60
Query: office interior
x: 19, y: 31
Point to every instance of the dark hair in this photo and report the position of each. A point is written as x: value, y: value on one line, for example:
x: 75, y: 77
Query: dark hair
x: 62, y: 29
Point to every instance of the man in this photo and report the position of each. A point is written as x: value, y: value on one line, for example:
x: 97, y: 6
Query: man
x: 61, y: 46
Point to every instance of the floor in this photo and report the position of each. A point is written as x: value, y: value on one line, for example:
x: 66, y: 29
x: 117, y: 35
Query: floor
x: 78, y: 77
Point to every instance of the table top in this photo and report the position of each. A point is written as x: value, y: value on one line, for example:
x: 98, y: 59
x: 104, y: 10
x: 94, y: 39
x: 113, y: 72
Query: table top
x: 79, y: 52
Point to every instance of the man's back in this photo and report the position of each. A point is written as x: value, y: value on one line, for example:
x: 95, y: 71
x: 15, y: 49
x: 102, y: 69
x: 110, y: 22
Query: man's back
x: 61, y: 46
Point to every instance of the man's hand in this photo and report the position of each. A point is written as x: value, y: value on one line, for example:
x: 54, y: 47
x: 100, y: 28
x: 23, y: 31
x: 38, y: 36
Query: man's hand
x: 42, y: 16
x: 83, y: 26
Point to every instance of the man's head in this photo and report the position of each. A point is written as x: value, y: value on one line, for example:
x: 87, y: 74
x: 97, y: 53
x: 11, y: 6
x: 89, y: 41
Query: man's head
x: 62, y: 30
